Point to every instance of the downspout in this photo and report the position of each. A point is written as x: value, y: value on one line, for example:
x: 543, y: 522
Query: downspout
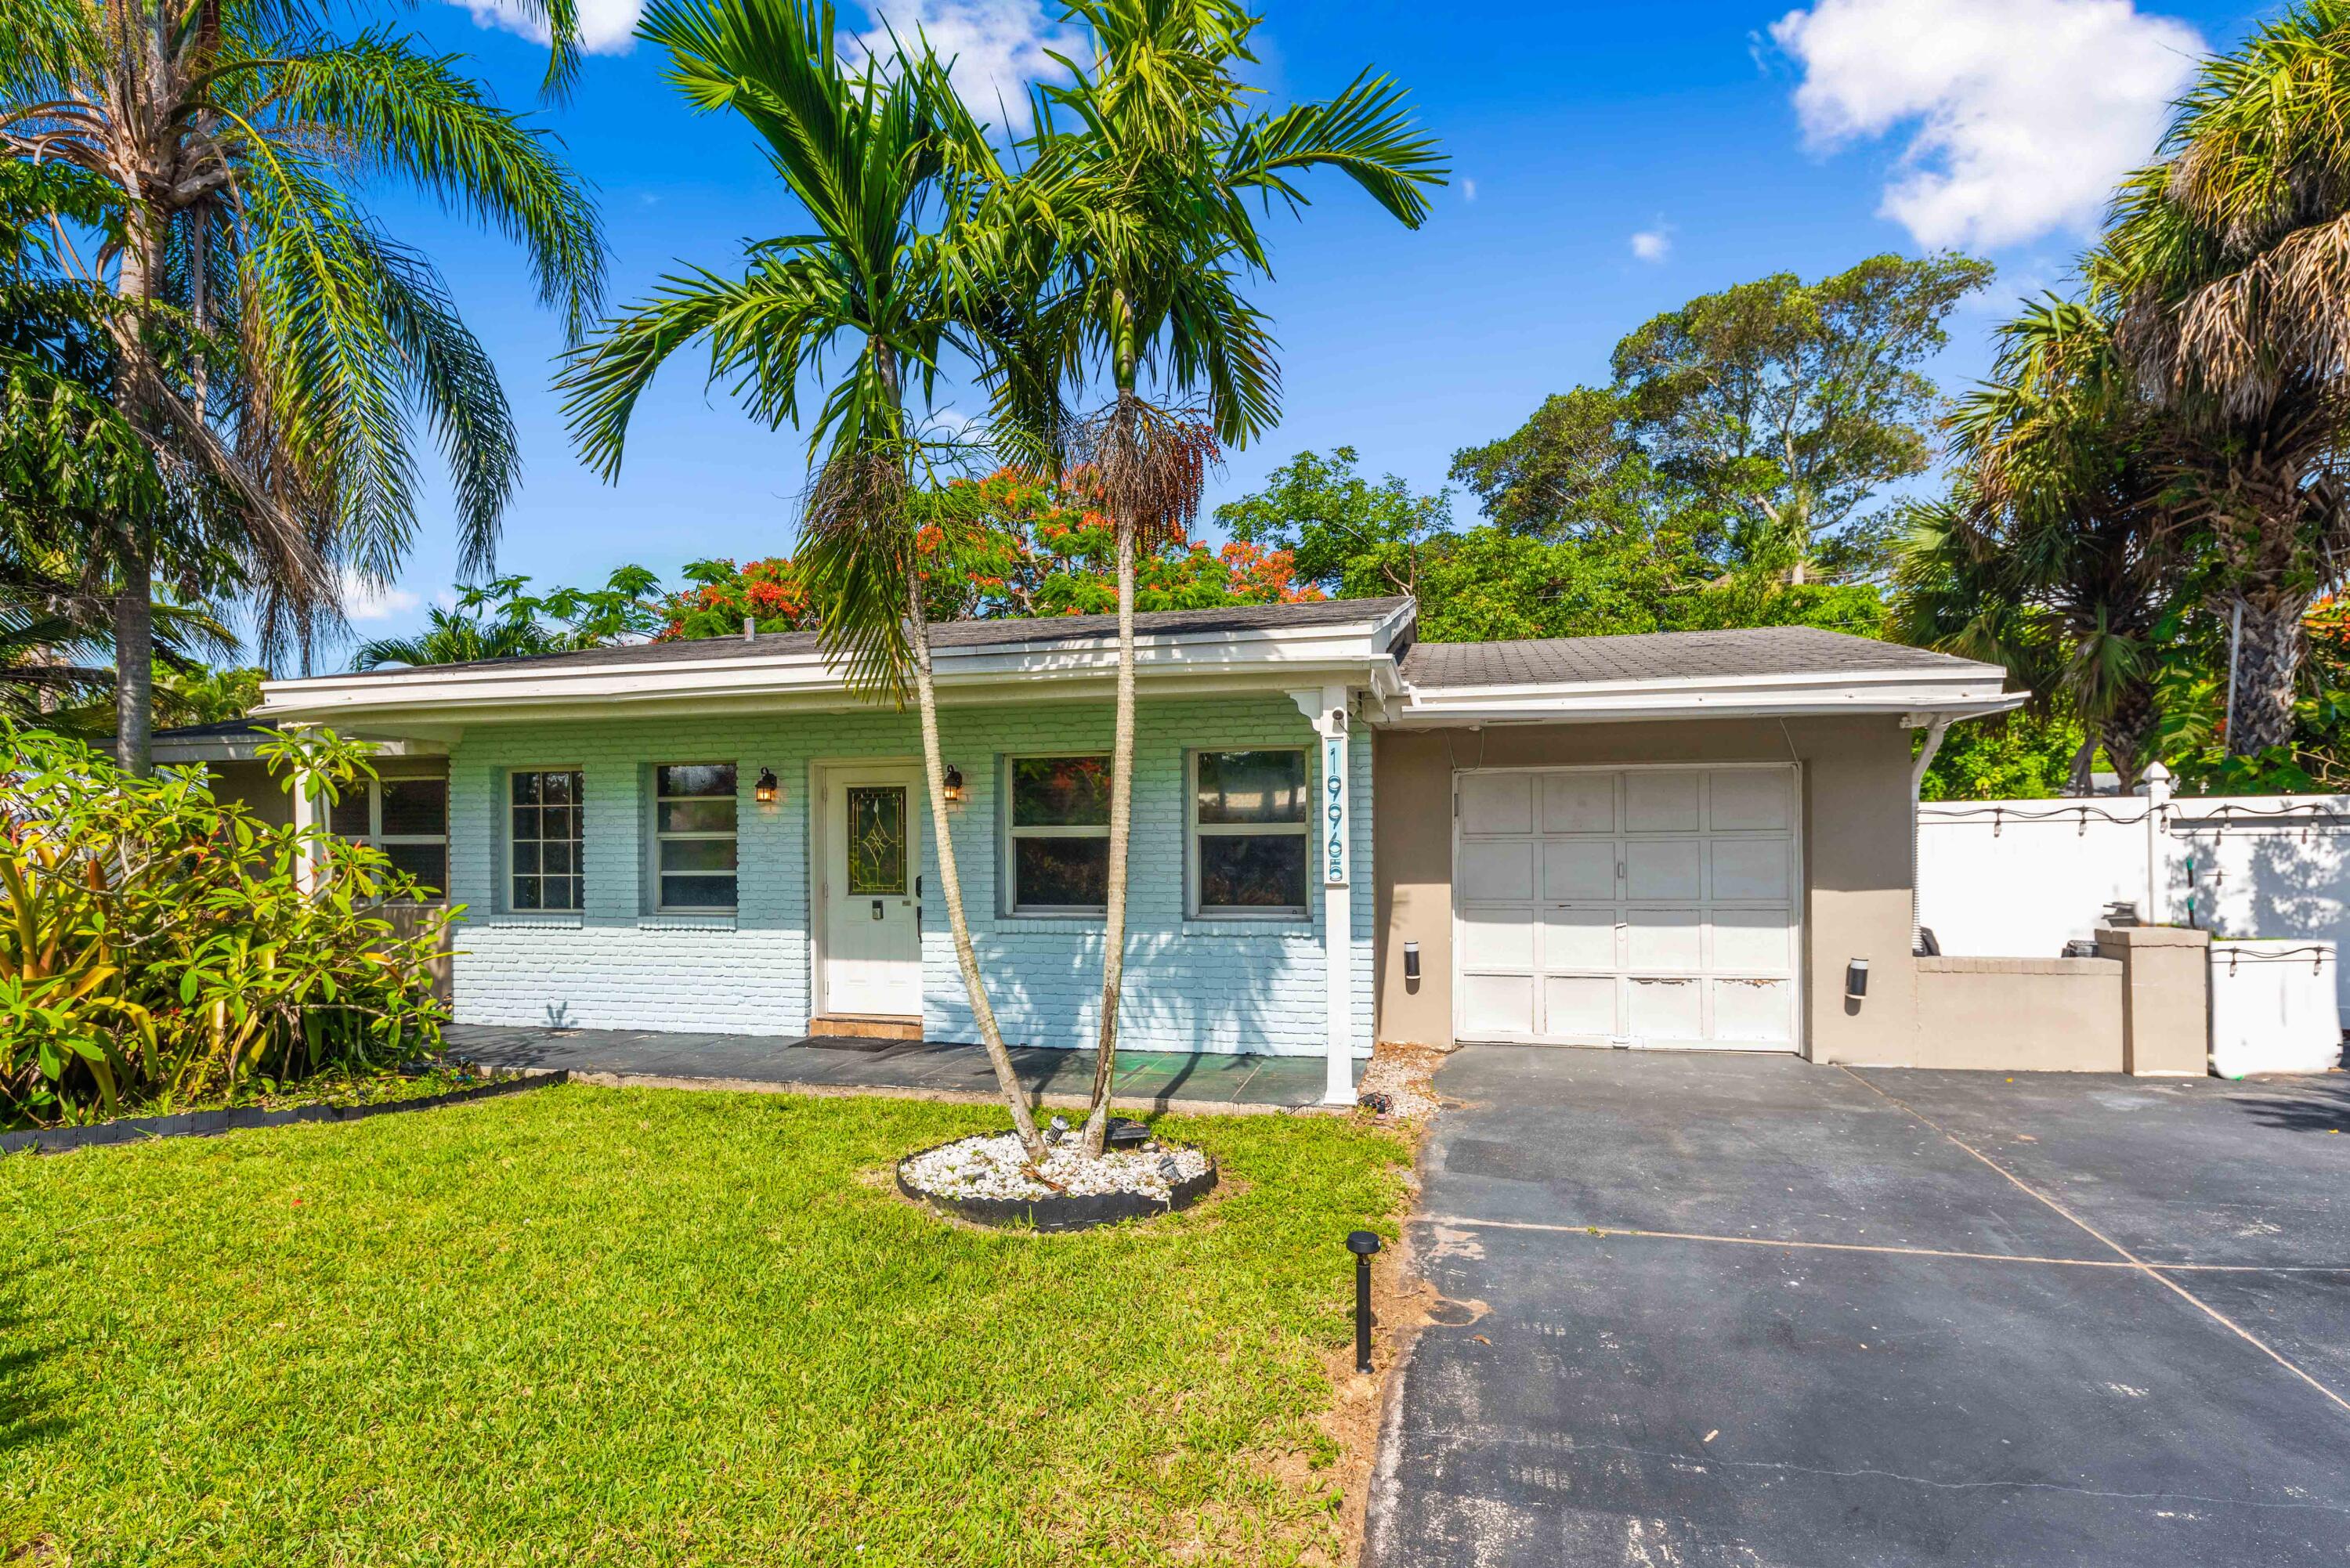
x: 1924, y: 760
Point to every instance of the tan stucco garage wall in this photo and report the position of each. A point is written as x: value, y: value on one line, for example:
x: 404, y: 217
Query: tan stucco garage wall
x: 1856, y: 785
x: 2037, y: 1015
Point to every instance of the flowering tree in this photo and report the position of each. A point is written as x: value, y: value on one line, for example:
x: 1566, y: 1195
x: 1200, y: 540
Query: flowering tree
x: 1006, y: 545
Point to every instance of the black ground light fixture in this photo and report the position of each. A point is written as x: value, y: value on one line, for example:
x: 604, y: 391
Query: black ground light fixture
x: 1856, y: 979
x: 1362, y: 1243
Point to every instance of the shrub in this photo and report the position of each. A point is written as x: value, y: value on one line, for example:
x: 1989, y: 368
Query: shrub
x: 155, y: 945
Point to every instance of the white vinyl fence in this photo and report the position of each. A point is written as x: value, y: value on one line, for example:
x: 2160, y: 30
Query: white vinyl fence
x: 2022, y: 878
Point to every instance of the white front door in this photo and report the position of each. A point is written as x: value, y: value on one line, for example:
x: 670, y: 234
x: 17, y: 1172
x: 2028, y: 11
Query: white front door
x: 1628, y: 906
x: 871, y: 891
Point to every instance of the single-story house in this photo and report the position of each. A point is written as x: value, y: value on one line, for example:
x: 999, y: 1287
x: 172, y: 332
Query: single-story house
x: 1341, y: 835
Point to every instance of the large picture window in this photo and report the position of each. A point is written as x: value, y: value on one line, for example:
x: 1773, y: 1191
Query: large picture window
x: 1057, y: 859
x: 1249, y: 847
x: 544, y: 819
x: 407, y: 818
x: 693, y: 836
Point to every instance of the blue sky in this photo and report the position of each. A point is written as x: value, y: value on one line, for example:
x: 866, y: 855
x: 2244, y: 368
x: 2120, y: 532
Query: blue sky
x: 1611, y: 161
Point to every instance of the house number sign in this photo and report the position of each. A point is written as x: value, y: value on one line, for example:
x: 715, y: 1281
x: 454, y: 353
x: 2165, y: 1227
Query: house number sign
x: 1334, y: 801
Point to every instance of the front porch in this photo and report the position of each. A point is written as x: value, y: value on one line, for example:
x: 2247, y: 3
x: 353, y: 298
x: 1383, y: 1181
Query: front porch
x: 1199, y: 1082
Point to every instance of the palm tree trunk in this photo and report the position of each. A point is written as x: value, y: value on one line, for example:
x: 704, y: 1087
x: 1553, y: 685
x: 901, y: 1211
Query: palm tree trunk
x: 134, y: 606
x: 1121, y: 833
x: 991, y: 1037
x: 2268, y: 659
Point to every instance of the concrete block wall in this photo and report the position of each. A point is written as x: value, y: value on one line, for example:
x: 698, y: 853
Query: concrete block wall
x: 1222, y: 986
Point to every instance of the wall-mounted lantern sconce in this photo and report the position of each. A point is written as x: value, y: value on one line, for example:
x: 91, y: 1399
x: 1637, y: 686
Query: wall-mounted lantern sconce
x: 1856, y: 979
x: 954, y: 784
x: 765, y: 790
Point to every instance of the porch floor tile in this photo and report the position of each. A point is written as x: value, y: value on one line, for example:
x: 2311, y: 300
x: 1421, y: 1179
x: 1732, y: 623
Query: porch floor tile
x: 1157, y: 1080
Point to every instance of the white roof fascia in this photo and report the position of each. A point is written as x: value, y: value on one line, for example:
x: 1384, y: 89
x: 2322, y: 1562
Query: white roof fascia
x: 1744, y: 696
x: 1355, y: 653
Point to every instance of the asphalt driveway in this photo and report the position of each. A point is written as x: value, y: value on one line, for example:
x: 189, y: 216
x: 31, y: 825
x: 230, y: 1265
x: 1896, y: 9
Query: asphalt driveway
x: 1707, y: 1309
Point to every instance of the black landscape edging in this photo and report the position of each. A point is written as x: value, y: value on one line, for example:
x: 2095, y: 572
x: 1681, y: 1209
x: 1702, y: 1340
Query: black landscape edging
x: 1074, y: 1211
x: 208, y: 1124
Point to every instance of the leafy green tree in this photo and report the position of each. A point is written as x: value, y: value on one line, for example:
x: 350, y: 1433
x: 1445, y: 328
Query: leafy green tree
x: 1786, y: 405
x: 501, y: 619
x: 1571, y: 470
x: 2223, y: 261
x: 2052, y: 555
x: 1156, y: 163
x: 884, y: 280
x: 269, y: 339
x: 2026, y: 754
x: 199, y: 694
x: 1354, y: 538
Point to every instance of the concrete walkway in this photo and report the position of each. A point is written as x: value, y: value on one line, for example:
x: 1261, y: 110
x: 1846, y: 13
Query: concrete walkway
x: 1724, y: 1312
x: 1146, y: 1080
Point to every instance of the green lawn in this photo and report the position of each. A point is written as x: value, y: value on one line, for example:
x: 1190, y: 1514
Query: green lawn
x: 599, y: 1325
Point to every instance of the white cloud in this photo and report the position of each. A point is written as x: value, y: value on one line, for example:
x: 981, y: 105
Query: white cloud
x: 996, y: 46
x: 364, y: 601
x: 2020, y: 113
x: 1467, y: 189
x: 1653, y: 244
x: 606, y: 26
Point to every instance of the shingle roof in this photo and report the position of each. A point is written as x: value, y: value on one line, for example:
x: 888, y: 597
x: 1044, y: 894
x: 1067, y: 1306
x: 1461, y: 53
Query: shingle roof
x: 1669, y: 656
x: 964, y: 634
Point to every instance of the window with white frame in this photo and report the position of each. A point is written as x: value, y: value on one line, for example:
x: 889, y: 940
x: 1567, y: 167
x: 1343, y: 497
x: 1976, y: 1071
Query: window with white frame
x: 407, y: 818
x: 1249, y: 843
x: 1057, y: 827
x: 544, y: 819
x: 693, y: 837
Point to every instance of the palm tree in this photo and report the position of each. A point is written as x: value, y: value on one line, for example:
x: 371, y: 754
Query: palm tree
x: 2052, y: 555
x: 269, y: 340
x: 886, y: 278
x: 2224, y: 262
x: 1156, y: 162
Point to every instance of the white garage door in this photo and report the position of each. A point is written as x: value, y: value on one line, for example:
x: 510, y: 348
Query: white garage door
x: 1635, y: 907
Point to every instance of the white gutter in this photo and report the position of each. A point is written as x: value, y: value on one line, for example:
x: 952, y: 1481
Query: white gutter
x: 1355, y: 653
x: 1759, y: 696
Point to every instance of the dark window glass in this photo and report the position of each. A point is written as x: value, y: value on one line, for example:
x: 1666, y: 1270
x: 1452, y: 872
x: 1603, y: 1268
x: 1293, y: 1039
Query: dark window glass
x: 696, y: 778
x: 545, y: 844
x: 1060, y: 873
x: 1060, y: 792
x: 1251, y: 871
x: 697, y: 815
x: 348, y: 817
x: 697, y: 892
x: 415, y: 808
x: 427, y: 863
x: 697, y: 855
x: 1252, y: 787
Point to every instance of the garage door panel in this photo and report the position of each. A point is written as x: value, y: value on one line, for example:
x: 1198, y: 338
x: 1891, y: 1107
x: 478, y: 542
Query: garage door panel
x: 1754, y: 940
x: 1499, y: 938
x: 1666, y: 1011
x: 1667, y: 940
x: 1579, y: 803
x: 1661, y: 803
x: 1498, y: 1005
x: 1663, y: 869
x: 1579, y: 868
x: 1580, y: 939
x: 1753, y: 1012
x: 1497, y: 802
x: 1579, y: 1005
x: 1658, y: 906
x: 1498, y: 871
x: 1752, y: 867
x: 1745, y: 799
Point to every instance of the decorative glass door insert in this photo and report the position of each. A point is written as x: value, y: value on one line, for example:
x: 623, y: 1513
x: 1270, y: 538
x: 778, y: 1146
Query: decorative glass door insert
x: 876, y: 840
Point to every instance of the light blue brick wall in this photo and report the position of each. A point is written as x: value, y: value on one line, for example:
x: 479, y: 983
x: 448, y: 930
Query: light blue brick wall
x: 1190, y: 985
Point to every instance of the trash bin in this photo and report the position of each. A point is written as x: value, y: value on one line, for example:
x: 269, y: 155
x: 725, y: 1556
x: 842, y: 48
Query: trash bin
x: 2273, y: 1006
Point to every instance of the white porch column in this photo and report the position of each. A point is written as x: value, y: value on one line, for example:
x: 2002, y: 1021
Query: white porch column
x: 2157, y: 801
x: 1333, y: 825
x: 306, y: 817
